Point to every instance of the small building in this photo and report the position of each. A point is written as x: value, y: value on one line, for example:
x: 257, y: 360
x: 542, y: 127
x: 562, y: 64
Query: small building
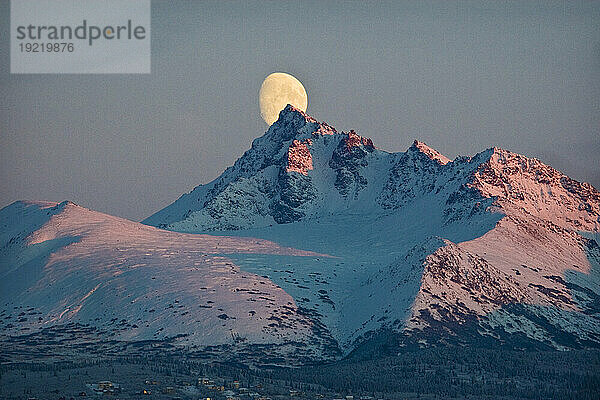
x: 105, y: 385
x: 236, y: 384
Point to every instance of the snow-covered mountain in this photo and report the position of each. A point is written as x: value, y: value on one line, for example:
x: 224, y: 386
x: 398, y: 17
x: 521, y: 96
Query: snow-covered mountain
x: 326, y: 245
x: 496, y: 247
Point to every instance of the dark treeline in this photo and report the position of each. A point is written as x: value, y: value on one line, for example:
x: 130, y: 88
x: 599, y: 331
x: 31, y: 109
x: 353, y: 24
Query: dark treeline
x: 456, y: 372
x: 448, y: 372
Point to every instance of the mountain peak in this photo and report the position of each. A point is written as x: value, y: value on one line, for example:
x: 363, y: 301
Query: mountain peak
x: 292, y: 111
x: 355, y: 139
x: 421, y: 147
x: 528, y: 185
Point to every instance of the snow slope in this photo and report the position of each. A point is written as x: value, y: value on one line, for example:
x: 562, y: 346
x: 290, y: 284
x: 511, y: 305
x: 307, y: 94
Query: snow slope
x: 63, y: 264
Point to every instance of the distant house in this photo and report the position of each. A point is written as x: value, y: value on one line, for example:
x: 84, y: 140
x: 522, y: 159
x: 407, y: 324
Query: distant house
x: 146, y: 392
x: 169, y: 390
x: 203, y: 381
x: 106, y: 387
x: 209, y: 383
x: 236, y: 384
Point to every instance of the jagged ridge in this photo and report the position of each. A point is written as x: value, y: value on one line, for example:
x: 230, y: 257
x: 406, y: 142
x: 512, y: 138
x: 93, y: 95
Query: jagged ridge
x: 483, y: 208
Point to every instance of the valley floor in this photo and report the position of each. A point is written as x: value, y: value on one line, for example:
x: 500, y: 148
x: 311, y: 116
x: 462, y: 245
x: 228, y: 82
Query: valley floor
x: 442, y: 373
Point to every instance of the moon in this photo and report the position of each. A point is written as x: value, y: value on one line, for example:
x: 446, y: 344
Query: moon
x: 277, y: 91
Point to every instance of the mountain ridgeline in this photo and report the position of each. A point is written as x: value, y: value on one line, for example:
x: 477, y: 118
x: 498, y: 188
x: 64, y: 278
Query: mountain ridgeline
x: 302, y: 169
x: 317, y: 245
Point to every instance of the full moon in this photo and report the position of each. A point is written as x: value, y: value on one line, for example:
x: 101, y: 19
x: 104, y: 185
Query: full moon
x: 277, y: 91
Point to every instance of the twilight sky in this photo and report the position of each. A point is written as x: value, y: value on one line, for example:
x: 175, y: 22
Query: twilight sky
x: 460, y: 76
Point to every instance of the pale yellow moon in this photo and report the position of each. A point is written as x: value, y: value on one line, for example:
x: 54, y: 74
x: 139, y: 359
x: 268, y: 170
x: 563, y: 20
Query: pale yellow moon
x: 277, y: 91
